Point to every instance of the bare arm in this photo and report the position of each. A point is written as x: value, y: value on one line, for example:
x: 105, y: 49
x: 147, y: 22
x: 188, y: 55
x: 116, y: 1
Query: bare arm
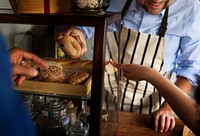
x: 179, y: 101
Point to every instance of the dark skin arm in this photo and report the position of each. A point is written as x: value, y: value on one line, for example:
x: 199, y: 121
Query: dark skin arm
x: 184, y: 85
x: 163, y: 118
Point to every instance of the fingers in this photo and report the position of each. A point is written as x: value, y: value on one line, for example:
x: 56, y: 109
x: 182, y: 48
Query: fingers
x: 172, y: 124
x: 156, y: 122
x: 169, y: 124
x: 24, y: 71
x: 19, y: 80
x: 107, y: 62
x: 21, y: 69
x: 82, y: 43
x: 71, y: 47
x: 17, y: 56
x: 76, y: 34
x: 35, y: 58
x: 163, y: 121
x: 63, y: 31
x: 117, y: 65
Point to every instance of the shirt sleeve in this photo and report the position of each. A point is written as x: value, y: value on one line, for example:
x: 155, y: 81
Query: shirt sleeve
x: 87, y: 31
x: 188, y: 60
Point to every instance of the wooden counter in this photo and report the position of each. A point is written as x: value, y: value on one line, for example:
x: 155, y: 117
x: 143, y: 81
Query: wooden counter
x: 133, y: 124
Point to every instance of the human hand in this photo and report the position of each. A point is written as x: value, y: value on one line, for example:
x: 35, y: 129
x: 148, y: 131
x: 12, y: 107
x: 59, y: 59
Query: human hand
x: 20, y: 69
x: 163, y: 120
x: 76, y: 33
x: 134, y: 72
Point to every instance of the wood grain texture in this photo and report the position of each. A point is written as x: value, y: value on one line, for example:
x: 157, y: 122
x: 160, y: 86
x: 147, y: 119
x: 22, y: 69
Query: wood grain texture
x: 133, y: 124
x: 52, y: 88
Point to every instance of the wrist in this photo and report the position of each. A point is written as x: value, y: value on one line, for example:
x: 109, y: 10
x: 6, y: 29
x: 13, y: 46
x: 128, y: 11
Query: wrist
x: 150, y: 74
x: 166, y: 106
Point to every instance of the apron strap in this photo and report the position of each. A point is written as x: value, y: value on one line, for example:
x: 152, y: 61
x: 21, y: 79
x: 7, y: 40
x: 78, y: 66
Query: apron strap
x: 163, y: 27
x: 126, y: 6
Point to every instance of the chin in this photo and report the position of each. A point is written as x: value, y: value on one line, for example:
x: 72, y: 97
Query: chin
x: 154, y: 12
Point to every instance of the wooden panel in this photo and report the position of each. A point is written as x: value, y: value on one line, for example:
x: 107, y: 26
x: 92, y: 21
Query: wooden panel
x: 37, y: 6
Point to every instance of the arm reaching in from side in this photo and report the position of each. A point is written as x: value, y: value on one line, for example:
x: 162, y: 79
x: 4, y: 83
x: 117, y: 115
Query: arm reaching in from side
x: 183, y: 105
x: 132, y: 71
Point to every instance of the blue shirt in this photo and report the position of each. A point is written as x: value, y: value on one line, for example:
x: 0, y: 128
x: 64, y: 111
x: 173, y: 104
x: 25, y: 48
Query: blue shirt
x: 14, y: 119
x: 181, y: 55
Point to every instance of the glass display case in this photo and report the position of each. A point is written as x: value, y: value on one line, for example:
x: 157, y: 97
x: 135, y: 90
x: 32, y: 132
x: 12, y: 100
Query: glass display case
x: 100, y: 22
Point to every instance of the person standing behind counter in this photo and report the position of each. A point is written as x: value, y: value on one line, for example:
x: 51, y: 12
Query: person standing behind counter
x: 14, y: 118
x: 184, y: 106
x: 161, y: 34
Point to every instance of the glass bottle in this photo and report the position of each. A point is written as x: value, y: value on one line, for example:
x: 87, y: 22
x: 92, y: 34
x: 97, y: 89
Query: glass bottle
x: 78, y: 129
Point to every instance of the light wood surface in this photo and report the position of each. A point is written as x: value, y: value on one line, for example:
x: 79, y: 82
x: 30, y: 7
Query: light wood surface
x: 187, y: 132
x: 133, y: 124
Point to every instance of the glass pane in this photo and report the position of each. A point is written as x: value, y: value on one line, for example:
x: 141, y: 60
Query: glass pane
x: 111, y: 98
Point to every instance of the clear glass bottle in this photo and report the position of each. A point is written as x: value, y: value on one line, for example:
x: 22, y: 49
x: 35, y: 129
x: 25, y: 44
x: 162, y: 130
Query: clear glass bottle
x: 78, y: 129
x: 53, y: 120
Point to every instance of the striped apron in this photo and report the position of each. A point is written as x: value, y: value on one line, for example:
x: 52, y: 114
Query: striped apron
x: 138, y: 48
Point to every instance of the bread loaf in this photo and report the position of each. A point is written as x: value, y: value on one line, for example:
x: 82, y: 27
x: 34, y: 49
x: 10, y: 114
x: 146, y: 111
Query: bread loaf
x: 55, y: 73
x: 65, y: 62
x: 77, y: 78
x: 70, y: 46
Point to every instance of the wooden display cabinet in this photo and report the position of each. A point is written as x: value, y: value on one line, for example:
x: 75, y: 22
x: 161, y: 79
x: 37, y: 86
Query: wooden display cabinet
x: 100, y: 23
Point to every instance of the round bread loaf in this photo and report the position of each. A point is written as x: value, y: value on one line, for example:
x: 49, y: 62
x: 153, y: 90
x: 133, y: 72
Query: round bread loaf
x: 55, y: 73
x: 70, y: 47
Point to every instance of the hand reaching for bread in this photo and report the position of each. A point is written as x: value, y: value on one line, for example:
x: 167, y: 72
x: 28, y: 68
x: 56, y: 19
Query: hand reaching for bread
x: 70, y: 47
x: 72, y: 42
x: 20, y: 69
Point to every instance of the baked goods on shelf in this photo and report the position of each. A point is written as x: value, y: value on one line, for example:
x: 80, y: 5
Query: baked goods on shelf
x: 60, y: 72
x: 65, y: 62
x: 62, y: 88
x: 77, y: 78
x: 55, y: 73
